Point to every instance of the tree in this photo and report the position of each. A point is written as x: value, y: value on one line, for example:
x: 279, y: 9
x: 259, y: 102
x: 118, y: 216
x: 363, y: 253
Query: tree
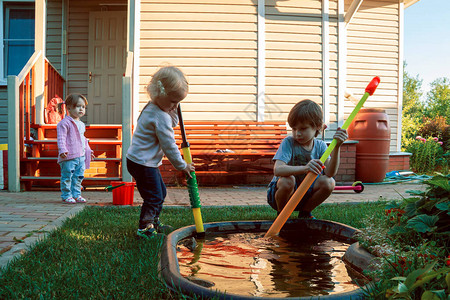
x: 412, y: 107
x: 438, y: 99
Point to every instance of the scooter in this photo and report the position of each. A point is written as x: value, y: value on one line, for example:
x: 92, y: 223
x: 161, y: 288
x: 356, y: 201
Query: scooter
x: 357, y: 186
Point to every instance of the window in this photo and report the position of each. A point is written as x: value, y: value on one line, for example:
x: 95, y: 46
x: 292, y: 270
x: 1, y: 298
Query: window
x: 18, y: 36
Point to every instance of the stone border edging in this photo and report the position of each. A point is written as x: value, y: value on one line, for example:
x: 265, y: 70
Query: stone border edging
x: 169, y: 268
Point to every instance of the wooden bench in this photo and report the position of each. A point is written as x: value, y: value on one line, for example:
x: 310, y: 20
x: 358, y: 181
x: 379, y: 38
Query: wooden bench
x: 234, y: 147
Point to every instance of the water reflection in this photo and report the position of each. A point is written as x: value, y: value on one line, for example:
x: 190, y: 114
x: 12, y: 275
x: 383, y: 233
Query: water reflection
x: 291, y: 265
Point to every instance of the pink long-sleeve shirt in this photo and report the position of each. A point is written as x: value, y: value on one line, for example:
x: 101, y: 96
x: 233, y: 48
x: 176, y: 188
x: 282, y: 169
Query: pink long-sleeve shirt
x: 69, y: 140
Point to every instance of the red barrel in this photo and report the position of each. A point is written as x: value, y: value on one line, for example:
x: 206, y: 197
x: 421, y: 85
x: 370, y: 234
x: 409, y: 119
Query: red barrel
x: 371, y: 128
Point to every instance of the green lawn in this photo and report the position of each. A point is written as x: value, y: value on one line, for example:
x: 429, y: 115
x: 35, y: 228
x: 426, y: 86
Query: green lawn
x: 96, y: 255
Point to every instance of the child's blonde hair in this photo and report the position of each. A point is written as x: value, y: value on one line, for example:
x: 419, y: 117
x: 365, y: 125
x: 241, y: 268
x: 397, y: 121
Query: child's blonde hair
x: 306, y: 111
x: 71, y: 101
x: 167, y: 81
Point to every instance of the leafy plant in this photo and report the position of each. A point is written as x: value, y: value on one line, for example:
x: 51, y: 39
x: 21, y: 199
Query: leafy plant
x: 428, y: 214
x: 412, y: 245
x: 416, y: 280
x: 427, y: 155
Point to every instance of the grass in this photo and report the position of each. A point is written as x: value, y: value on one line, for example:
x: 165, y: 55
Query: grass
x: 96, y: 255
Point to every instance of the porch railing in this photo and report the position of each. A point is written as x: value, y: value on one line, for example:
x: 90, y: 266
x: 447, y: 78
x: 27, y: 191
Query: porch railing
x: 54, y: 82
x: 22, y: 110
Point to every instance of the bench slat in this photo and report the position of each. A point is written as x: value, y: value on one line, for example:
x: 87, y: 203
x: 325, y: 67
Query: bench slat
x: 55, y: 158
x: 91, y: 141
x: 28, y: 178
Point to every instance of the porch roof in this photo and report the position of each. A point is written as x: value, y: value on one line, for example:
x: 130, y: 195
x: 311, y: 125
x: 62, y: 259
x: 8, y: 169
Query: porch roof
x: 410, y: 2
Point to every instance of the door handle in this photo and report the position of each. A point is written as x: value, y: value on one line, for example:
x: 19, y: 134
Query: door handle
x: 90, y: 77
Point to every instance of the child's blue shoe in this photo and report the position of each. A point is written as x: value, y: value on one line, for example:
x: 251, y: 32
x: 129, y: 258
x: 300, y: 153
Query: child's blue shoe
x: 161, y: 228
x: 148, y: 233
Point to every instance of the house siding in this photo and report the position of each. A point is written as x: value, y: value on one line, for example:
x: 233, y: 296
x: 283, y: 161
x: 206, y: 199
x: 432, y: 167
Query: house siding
x: 78, y: 43
x: 294, y: 55
x: 214, y: 43
x: 54, y: 33
x: 373, y: 45
x: 294, y: 65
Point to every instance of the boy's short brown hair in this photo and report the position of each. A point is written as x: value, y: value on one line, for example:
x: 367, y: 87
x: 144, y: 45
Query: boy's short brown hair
x: 306, y: 111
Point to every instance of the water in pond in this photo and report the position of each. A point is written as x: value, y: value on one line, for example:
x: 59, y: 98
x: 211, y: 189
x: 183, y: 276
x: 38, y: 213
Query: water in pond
x: 247, y: 264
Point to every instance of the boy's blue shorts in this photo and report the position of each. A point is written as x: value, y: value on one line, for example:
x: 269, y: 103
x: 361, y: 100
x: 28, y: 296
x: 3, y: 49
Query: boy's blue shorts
x: 273, y: 188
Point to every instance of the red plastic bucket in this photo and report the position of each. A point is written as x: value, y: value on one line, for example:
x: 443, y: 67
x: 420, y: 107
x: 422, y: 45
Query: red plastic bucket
x: 123, y: 195
x: 371, y: 128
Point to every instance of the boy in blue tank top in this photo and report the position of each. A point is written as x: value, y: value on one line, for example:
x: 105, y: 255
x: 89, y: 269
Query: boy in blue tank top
x: 299, y: 154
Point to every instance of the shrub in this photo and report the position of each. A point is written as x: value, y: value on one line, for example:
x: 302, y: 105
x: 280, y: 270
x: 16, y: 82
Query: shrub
x: 427, y: 155
x: 435, y: 127
x: 412, y: 245
x: 410, y: 127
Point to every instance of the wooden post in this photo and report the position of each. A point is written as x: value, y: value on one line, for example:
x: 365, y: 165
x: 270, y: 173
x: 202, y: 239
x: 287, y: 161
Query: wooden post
x: 13, y: 135
x: 39, y: 44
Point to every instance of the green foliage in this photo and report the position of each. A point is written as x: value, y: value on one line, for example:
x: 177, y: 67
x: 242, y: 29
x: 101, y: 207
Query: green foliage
x: 427, y: 155
x: 436, y: 127
x: 412, y: 245
x: 433, y: 127
x: 438, y: 98
x: 410, y: 127
x: 430, y: 212
x: 412, y: 87
x: 425, y: 117
x: 417, y: 279
x: 412, y: 108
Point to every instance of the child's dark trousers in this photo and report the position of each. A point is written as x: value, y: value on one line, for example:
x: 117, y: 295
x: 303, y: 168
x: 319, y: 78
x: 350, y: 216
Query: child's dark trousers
x: 152, y: 190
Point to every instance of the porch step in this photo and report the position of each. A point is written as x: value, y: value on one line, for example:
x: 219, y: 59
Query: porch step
x: 94, y: 126
x: 55, y: 158
x: 91, y: 141
x: 39, y: 168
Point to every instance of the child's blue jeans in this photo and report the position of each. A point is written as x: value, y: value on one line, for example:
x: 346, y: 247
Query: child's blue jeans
x: 152, y: 189
x: 72, y: 174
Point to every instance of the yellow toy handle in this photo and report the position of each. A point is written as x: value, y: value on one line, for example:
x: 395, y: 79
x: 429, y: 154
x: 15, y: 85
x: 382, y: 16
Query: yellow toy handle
x: 192, y: 185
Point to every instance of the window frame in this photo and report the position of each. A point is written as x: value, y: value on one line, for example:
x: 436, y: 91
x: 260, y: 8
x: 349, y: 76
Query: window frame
x: 3, y: 77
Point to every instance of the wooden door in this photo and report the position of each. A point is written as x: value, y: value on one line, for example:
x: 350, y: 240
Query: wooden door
x: 106, y: 65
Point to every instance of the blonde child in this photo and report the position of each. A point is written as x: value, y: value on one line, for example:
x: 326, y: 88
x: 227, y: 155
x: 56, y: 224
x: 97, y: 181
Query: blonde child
x: 299, y: 154
x: 154, y: 138
x: 74, y: 153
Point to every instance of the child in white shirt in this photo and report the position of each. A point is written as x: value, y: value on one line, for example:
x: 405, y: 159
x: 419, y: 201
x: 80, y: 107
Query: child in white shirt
x: 153, y: 138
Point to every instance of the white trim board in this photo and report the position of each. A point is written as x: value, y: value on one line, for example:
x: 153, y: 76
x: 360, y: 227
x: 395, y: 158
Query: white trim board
x: 326, y: 61
x: 400, y: 74
x: 261, y: 81
x: 342, y: 62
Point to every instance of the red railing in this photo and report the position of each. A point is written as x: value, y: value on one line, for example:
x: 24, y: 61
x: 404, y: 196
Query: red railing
x: 53, y: 86
x: 54, y: 83
x: 27, y: 105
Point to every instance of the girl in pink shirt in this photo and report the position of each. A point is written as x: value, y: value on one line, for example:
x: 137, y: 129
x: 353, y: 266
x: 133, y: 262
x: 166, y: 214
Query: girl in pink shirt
x: 74, y: 153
